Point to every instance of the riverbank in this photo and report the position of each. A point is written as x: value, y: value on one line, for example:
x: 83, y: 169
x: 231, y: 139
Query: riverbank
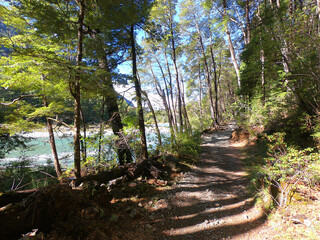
x: 38, y: 150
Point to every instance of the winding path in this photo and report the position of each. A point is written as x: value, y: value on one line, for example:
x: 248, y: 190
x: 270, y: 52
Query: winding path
x: 211, y: 201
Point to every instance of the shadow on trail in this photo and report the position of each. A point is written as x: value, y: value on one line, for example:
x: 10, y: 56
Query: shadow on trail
x: 211, y: 201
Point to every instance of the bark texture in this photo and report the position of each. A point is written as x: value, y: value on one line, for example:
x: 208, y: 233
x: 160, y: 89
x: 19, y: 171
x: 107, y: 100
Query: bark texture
x: 76, y: 93
x: 144, y: 150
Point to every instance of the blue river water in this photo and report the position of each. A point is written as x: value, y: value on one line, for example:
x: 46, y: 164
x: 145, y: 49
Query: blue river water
x: 39, y: 150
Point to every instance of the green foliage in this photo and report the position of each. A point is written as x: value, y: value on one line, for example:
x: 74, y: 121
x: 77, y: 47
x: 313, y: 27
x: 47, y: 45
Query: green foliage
x: 23, y: 175
x: 279, y: 59
x: 315, y: 130
x: 133, y: 138
x: 107, y: 158
x: 289, y: 164
x: 279, y: 167
x: 9, y: 143
x: 188, y: 144
x: 130, y: 119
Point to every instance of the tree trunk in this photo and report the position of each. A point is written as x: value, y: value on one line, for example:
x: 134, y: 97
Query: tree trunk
x: 174, y: 58
x: 200, y: 97
x: 144, y: 150
x: 101, y: 129
x: 185, y: 113
x: 248, y: 30
x: 154, y: 117
x: 208, y: 76
x: 110, y: 100
x: 77, y: 126
x: 171, y: 119
x: 166, y: 104
x: 172, y: 134
x: 122, y: 147
x: 231, y: 48
x: 83, y: 141
x: 171, y: 96
x: 233, y: 58
x: 76, y: 93
x: 262, y: 60
x: 178, y: 88
x: 263, y: 81
x: 216, y: 112
x: 53, y: 144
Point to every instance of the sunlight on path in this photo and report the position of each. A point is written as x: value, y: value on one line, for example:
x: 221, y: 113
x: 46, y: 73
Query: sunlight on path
x: 211, y: 201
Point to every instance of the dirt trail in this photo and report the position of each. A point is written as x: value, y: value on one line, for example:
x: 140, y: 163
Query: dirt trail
x: 211, y: 201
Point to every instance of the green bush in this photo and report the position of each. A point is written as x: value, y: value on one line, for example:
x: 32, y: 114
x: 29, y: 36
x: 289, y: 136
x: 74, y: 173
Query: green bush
x: 23, y: 175
x: 278, y: 170
x: 188, y: 144
x: 290, y: 164
x: 108, y: 156
x: 287, y: 168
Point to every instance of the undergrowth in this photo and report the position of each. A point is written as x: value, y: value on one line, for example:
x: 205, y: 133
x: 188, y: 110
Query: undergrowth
x: 285, y: 159
x: 22, y: 175
x: 188, y: 144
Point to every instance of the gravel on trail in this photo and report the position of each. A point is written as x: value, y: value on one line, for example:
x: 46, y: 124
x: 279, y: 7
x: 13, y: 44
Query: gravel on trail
x: 211, y: 201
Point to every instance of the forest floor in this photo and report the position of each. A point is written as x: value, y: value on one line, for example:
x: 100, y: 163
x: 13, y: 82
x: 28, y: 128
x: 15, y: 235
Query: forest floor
x: 207, y: 201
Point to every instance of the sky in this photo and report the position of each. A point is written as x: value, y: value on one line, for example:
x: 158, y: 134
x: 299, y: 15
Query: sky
x: 4, y: 3
x: 128, y: 91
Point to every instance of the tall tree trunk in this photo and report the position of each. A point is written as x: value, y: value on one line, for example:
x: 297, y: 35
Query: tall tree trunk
x: 154, y: 117
x: 101, y: 129
x: 53, y: 144
x: 215, y: 87
x: 167, y: 95
x: 162, y: 94
x: 76, y: 93
x: 110, y: 100
x: 185, y: 113
x: 144, y: 150
x: 263, y: 81
x: 231, y: 47
x: 248, y: 29
x: 233, y: 57
x: 208, y: 77
x: 122, y: 148
x: 174, y: 58
x: 200, y: 97
x: 171, y: 95
x: 83, y: 141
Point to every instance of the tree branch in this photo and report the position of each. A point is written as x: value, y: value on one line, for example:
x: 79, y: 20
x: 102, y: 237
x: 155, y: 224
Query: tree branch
x: 60, y: 122
x: 18, y: 99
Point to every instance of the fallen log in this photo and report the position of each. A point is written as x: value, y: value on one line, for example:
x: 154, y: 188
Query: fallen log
x: 150, y: 168
x: 104, y: 176
x: 157, y: 167
x: 15, y: 196
x: 6, y: 207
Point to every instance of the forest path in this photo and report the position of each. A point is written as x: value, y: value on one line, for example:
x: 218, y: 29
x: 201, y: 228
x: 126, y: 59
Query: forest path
x: 211, y: 201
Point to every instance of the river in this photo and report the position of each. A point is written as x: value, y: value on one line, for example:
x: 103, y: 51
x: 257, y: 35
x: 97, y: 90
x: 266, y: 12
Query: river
x: 39, y: 150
